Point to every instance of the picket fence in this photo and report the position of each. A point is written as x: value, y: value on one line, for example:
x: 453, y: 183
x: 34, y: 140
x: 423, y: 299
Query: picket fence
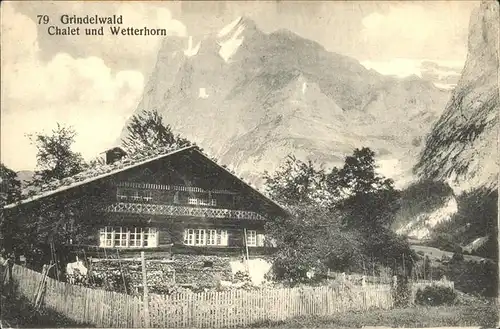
x: 236, y: 308
x: 222, y: 309
x: 83, y: 305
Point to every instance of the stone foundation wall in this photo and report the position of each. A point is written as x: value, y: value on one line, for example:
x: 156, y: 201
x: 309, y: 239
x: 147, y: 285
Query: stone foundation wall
x: 201, y: 270
x: 195, y: 270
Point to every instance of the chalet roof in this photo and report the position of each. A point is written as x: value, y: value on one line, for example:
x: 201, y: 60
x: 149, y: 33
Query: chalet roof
x: 114, y: 149
x: 100, y: 172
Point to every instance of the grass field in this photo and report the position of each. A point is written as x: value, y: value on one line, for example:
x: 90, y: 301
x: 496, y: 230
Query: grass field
x: 17, y: 312
x: 435, y: 253
x: 413, y: 317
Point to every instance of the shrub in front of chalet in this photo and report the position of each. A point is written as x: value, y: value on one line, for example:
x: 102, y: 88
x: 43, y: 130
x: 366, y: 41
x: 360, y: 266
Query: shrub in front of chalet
x: 457, y: 257
x: 445, y: 259
x: 435, y: 295
x: 401, y: 293
x: 111, y: 280
x: 168, y: 289
x: 241, y: 276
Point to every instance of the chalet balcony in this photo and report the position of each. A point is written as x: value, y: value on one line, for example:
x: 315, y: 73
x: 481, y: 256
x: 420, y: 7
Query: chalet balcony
x: 181, y: 210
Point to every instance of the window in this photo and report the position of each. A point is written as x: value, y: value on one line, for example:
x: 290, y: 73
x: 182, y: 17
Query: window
x: 135, y: 237
x: 123, y: 237
x: 120, y: 237
x: 146, y: 195
x: 121, y: 194
x: 106, y: 237
x: 199, y: 238
x: 255, y: 239
x: 189, y: 237
x: 212, y: 238
x: 202, y: 237
x: 135, y: 195
x: 202, y: 202
x: 251, y: 238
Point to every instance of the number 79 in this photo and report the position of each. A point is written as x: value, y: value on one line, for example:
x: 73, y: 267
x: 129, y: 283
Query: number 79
x: 43, y: 19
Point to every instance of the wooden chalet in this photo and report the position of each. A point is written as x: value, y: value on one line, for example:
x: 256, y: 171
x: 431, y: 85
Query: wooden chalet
x: 176, y: 202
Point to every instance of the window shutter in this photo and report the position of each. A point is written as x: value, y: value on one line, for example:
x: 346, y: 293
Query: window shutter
x: 153, y: 237
x: 260, y: 240
x: 102, y: 237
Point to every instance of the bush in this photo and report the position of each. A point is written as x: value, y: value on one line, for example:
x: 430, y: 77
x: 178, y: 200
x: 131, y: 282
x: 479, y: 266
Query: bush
x: 435, y: 295
x: 402, y: 292
x: 457, y: 257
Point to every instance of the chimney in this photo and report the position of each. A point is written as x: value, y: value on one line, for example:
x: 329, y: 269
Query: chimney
x: 115, y: 154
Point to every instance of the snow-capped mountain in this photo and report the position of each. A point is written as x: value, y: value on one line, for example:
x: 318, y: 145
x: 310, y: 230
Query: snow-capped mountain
x: 251, y: 98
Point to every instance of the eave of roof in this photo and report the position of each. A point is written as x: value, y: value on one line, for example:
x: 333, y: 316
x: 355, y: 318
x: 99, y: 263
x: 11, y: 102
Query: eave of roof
x: 120, y: 167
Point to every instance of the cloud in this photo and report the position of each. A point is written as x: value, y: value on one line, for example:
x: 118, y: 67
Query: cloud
x: 407, y: 28
x: 81, y: 92
x: 137, y: 15
x: 400, y: 67
x: 136, y: 52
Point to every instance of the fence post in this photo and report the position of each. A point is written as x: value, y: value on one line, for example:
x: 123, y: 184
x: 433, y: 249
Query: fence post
x: 145, y: 290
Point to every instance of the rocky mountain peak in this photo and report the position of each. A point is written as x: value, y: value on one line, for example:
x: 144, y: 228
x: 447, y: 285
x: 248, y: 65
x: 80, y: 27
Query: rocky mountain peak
x: 279, y: 93
x: 462, y: 146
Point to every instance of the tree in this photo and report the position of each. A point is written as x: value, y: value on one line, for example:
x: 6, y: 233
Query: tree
x: 340, y: 219
x: 10, y: 192
x: 370, y: 200
x: 10, y: 185
x: 38, y: 224
x: 298, y: 183
x: 146, y: 131
x: 313, y: 240
x: 55, y: 159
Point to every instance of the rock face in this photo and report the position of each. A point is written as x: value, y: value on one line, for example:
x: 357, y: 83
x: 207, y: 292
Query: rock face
x: 251, y: 98
x: 462, y: 145
x: 421, y: 226
x: 423, y: 206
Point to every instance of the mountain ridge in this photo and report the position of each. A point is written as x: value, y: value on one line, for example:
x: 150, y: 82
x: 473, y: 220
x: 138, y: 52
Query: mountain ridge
x: 290, y: 94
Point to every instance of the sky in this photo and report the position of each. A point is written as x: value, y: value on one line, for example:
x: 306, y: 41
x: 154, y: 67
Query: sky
x: 94, y: 83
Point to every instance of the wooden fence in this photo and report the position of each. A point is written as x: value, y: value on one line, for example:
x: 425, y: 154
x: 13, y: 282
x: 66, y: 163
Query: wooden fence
x: 210, y: 309
x: 241, y: 308
x: 84, y: 305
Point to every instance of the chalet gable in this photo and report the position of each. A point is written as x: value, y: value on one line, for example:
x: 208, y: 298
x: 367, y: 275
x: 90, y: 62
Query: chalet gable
x: 190, y: 159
